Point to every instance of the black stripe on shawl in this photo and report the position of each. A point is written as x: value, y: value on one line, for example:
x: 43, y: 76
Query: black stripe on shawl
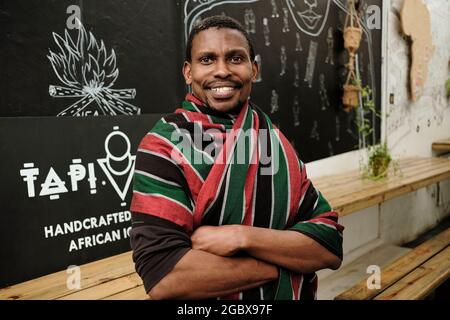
x: 162, y: 168
x: 306, y: 208
x: 263, y: 201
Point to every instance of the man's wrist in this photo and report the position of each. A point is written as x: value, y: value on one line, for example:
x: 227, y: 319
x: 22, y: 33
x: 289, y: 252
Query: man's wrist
x: 243, y: 237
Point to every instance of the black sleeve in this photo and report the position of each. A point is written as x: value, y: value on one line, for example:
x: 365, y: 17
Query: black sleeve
x: 157, y: 245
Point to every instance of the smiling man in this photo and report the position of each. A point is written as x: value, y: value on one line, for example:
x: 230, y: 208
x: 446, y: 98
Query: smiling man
x: 240, y: 226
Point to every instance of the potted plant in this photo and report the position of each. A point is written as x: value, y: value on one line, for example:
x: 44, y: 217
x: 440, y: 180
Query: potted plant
x: 352, y: 90
x: 352, y: 29
x: 352, y: 40
x: 378, y: 157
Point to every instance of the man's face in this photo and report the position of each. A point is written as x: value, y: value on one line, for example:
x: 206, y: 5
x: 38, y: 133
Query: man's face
x: 221, y: 71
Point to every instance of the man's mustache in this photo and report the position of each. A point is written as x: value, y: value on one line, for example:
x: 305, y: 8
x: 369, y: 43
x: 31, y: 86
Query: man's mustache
x: 228, y: 83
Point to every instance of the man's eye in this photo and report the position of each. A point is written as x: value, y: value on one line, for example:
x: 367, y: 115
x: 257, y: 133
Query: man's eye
x: 236, y: 59
x: 205, y: 60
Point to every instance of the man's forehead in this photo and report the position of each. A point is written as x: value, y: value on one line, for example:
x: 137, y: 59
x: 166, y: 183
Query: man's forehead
x: 222, y: 34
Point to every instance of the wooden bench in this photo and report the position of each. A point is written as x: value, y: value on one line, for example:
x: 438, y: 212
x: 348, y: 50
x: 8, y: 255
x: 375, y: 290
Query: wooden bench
x: 348, y: 193
x: 115, y: 278
x: 412, y: 277
x: 441, y: 145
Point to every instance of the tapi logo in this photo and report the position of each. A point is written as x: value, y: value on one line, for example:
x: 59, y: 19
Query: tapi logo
x: 117, y: 168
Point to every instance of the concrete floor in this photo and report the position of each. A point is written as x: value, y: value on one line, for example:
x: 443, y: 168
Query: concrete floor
x: 338, y: 281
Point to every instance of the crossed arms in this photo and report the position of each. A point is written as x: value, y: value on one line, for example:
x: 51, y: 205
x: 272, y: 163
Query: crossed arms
x: 210, y: 269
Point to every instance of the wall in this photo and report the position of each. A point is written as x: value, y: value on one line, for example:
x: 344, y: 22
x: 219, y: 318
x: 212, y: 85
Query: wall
x: 410, y: 130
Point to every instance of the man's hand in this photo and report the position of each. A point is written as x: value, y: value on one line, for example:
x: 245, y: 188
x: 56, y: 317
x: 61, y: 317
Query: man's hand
x: 223, y: 241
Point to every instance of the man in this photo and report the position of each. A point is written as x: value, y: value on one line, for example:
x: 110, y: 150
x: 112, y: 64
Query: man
x: 237, y: 224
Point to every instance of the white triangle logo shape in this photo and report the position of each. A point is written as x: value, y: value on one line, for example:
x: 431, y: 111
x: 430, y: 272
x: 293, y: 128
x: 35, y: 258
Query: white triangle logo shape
x: 122, y: 193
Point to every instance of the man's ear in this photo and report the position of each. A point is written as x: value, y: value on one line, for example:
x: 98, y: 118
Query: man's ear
x: 187, y: 73
x: 255, y: 69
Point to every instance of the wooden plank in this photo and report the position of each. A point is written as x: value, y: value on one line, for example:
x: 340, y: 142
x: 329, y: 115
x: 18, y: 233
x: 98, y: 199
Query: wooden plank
x: 399, y: 268
x: 54, y: 285
x: 358, y: 184
x: 137, y: 293
x: 106, y: 289
x: 421, y: 282
x: 366, y: 193
x: 331, y: 182
x: 379, y: 194
x: 394, y: 188
x: 411, y: 171
x: 441, y: 145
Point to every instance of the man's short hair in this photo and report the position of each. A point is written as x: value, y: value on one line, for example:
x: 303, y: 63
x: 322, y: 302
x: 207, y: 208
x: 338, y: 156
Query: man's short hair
x: 217, y: 22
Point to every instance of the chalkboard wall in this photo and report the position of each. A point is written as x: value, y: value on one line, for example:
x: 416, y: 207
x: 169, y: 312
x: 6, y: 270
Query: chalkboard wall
x: 82, y: 81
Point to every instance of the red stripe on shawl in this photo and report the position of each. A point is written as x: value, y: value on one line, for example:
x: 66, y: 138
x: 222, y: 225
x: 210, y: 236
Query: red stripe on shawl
x: 295, y: 177
x: 190, y: 97
x: 233, y: 296
x: 162, y: 207
x: 156, y: 144
x: 201, y: 118
x: 211, y: 186
x: 329, y: 222
x: 328, y: 215
x: 296, y: 280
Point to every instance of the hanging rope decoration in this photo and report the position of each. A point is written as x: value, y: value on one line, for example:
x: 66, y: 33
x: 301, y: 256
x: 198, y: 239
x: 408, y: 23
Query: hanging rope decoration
x: 352, y: 40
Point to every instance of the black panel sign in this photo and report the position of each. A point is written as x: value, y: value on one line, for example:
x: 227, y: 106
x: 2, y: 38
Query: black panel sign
x: 65, y: 191
x: 124, y: 60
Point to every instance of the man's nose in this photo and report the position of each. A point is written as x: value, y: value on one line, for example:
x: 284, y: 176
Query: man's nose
x: 221, y: 69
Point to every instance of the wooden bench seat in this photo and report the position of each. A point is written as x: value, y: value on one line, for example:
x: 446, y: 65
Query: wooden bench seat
x: 348, y: 193
x: 115, y: 278
x: 412, y: 277
x: 441, y: 145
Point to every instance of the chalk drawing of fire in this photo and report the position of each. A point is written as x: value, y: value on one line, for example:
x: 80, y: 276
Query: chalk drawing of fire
x: 88, y: 73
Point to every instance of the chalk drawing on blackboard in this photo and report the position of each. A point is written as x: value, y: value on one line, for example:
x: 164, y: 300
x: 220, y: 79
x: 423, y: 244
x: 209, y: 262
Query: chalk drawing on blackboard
x: 259, y: 63
x: 296, y: 74
x: 330, y: 149
x: 315, y: 131
x: 311, y: 63
x: 274, y: 102
x: 338, y: 129
x: 296, y: 111
x: 88, y: 72
x: 324, y: 101
x: 274, y: 9
x: 197, y: 21
x: 266, y: 32
x: 283, y: 60
x: 250, y: 21
x: 308, y: 16
x: 285, y: 20
x: 126, y: 161
x: 298, y: 43
x: 330, y: 44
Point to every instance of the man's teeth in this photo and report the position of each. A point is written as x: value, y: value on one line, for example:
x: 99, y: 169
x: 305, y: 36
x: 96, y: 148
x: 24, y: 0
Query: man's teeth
x: 222, y: 89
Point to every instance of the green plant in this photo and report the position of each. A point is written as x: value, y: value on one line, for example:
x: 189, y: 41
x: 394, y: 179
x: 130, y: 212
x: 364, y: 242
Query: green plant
x: 378, y: 155
x: 379, y: 159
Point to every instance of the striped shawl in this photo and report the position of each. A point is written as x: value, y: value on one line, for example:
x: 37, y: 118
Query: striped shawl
x: 199, y: 167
